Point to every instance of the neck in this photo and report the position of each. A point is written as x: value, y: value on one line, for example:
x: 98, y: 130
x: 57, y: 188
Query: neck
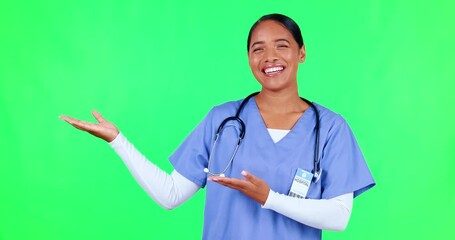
x: 280, y: 102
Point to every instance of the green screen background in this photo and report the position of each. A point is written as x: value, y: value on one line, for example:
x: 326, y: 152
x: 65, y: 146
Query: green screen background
x: 155, y: 68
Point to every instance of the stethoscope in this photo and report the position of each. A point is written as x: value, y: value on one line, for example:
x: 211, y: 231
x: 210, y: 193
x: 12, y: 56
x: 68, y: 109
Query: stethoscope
x: 317, y: 171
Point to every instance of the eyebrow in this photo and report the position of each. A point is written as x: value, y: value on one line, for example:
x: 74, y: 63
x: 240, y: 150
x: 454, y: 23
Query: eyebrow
x: 276, y: 40
x: 282, y: 39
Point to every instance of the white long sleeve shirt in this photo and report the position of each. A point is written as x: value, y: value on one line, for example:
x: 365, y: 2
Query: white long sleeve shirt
x: 171, y: 190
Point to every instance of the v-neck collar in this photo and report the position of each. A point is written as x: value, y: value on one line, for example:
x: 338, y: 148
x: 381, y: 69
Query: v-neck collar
x: 296, y: 130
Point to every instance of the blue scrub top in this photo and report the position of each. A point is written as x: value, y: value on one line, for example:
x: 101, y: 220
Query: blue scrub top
x: 229, y: 214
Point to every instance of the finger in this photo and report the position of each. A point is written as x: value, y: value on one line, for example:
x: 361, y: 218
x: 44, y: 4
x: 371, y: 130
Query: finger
x: 98, y: 116
x: 70, y: 120
x: 227, y: 180
x: 66, y: 118
x: 86, y: 126
x: 231, y: 182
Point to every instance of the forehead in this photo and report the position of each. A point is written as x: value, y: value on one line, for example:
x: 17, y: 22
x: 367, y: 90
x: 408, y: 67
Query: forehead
x: 270, y: 30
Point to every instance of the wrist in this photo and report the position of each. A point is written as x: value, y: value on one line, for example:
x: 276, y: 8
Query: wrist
x: 112, y: 137
x: 268, y: 198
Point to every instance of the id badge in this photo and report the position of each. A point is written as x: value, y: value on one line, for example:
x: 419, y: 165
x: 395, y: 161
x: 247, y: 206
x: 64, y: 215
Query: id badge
x: 300, y: 184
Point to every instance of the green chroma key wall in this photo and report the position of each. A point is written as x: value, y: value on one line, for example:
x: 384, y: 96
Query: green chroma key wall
x: 155, y: 68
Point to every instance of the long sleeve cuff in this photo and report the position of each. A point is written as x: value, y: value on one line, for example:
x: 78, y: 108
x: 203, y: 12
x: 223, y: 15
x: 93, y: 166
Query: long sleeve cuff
x: 329, y: 214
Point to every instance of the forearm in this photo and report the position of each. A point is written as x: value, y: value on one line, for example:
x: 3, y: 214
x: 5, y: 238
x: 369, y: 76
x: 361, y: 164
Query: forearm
x: 327, y: 214
x: 169, y: 191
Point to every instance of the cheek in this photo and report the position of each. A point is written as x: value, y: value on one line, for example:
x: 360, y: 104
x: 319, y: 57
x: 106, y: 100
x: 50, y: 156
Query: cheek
x: 253, y: 62
x: 250, y: 62
x: 289, y: 56
x: 292, y: 59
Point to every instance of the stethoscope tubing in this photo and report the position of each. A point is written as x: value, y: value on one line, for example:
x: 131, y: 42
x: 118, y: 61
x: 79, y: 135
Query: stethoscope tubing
x: 317, y: 168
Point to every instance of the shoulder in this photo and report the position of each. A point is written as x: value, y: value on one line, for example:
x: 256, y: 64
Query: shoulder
x: 329, y: 117
x: 333, y: 125
x: 228, y: 106
x: 225, y: 109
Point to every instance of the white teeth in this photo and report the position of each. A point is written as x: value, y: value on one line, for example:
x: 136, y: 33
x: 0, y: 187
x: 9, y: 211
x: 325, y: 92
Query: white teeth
x: 272, y: 70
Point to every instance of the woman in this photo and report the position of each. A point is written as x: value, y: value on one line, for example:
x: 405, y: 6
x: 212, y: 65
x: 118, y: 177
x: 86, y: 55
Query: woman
x: 260, y: 185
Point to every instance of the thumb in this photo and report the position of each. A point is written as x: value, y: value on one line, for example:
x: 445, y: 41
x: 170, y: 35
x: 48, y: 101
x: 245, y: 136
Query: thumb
x: 98, y: 116
x: 250, y: 177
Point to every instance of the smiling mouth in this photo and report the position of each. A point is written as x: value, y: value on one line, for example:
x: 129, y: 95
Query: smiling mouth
x: 273, y: 70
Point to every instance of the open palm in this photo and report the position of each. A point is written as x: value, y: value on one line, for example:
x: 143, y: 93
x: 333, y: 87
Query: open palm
x: 103, y: 129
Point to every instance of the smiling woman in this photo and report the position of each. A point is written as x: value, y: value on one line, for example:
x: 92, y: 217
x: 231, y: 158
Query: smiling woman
x: 291, y: 174
x: 274, y: 57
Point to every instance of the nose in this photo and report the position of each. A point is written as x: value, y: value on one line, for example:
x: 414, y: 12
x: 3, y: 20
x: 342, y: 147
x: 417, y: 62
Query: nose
x: 270, y: 55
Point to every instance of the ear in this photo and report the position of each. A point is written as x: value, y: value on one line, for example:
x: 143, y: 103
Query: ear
x: 302, y: 54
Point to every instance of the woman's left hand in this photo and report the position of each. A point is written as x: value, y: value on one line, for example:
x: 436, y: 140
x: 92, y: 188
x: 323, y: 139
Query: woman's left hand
x: 252, y: 186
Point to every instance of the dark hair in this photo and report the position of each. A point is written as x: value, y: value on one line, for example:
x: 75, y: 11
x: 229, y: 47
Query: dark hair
x: 286, y: 21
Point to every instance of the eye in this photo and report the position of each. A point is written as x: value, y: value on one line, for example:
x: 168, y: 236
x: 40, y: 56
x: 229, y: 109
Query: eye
x: 282, y: 46
x: 257, y: 50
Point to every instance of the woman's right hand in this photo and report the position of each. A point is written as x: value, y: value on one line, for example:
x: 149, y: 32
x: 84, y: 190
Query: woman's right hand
x: 103, y: 129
